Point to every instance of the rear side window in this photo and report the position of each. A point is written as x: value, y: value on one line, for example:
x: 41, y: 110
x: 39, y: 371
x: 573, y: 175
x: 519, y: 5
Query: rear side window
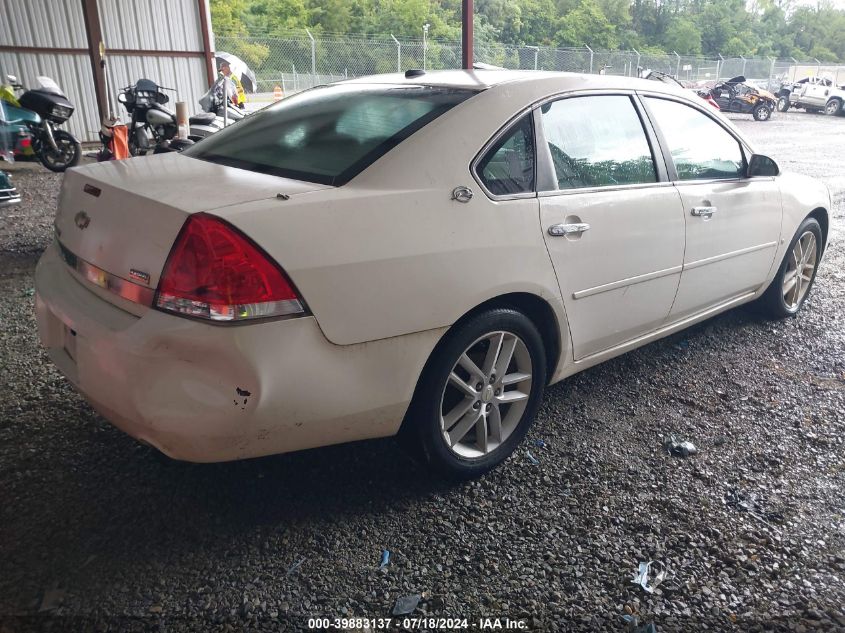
x: 701, y: 148
x: 597, y: 142
x: 328, y: 135
x: 508, y: 166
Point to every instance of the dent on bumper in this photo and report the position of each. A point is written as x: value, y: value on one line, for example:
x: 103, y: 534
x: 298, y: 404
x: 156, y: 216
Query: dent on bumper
x: 205, y: 393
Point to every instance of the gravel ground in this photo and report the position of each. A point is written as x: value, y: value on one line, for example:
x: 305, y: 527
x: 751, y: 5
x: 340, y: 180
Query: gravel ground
x: 97, y: 533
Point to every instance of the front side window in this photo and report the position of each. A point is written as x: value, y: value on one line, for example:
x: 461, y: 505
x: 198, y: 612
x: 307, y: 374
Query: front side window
x: 701, y: 148
x: 597, y: 141
x: 508, y: 166
x: 328, y: 135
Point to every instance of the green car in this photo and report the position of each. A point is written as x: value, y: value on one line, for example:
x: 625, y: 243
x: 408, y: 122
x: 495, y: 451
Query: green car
x: 8, y: 194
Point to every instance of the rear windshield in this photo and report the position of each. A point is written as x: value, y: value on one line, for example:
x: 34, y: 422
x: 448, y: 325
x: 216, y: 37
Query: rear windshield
x: 328, y: 135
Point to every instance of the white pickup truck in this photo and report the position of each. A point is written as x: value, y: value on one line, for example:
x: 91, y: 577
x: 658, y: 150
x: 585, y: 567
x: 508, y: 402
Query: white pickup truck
x: 814, y: 94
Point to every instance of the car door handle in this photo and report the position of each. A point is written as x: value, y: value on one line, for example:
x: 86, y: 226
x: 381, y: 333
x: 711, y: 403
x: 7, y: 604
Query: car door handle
x: 704, y: 212
x: 557, y: 230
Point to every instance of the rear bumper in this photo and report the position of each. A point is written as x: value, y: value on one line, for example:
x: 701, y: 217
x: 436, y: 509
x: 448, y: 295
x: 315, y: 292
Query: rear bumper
x: 208, y: 393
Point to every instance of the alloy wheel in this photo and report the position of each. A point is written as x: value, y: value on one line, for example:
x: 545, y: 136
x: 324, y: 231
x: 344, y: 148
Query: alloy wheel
x: 486, y: 394
x: 799, y: 271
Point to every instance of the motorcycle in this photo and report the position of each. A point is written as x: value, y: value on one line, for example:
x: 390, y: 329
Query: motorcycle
x: 153, y: 126
x: 213, y: 101
x: 41, y: 110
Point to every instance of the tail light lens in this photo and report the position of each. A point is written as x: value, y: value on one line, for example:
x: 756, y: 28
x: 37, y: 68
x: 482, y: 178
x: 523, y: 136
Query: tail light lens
x: 215, y: 272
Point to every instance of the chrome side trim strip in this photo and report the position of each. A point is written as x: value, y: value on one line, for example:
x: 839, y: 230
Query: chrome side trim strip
x: 123, y: 288
x: 630, y: 281
x: 718, y: 258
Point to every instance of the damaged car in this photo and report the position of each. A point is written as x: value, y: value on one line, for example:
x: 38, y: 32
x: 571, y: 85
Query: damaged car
x: 735, y: 95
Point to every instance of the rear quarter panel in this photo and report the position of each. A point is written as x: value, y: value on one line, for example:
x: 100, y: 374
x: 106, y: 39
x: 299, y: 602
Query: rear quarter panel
x: 390, y: 253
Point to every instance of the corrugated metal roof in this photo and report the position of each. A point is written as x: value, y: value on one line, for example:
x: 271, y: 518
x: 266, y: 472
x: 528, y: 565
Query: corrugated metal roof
x: 164, y: 25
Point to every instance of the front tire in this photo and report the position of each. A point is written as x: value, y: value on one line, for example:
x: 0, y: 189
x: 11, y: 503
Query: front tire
x: 783, y: 104
x: 794, y: 279
x: 762, y: 113
x: 70, y: 151
x: 833, y: 107
x: 478, y: 394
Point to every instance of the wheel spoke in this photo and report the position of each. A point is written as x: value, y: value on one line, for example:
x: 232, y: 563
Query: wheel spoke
x: 457, y: 412
x: 789, y: 284
x: 494, y: 418
x: 514, y: 378
x: 481, y: 433
x: 505, y: 355
x: 492, y: 352
x: 463, y: 427
x: 509, y: 397
x: 471, y: 368
x: 810, y: 254
x: 460, y: 384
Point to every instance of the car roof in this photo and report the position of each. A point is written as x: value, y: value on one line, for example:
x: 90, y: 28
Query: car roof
x: 484, y: 79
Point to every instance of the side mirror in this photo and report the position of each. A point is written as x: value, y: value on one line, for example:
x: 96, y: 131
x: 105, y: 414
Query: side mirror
x: 760, y: 165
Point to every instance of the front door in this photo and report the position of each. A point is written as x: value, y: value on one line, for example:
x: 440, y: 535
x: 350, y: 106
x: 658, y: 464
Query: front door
x: 614, y: 231
x: 733, y: 222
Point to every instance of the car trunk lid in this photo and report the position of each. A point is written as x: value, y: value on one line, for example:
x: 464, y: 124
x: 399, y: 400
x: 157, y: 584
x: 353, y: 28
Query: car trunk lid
x: 117, y: 221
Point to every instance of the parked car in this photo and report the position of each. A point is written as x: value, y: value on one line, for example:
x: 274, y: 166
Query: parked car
x: 814, y: 94
x: 735, y: 95
x: 414, y: 254
x: 8, y: 194
x: 656, y: 75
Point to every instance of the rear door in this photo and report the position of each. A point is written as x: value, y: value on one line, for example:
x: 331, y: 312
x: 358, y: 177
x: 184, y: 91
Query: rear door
x: 732, y: 222
x: 613, y: 224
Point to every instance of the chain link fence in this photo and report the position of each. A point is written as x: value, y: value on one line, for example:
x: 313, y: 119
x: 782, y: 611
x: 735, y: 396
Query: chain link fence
x: 297, y: 60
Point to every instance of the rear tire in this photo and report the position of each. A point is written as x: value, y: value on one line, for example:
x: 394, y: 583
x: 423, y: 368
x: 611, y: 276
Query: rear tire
x: 478, y: 394
x: 783, y: 104
x: 762, y: 113
x: 796, y: 274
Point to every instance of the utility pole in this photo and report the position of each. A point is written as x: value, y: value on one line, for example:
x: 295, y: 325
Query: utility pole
x: 466, y: 34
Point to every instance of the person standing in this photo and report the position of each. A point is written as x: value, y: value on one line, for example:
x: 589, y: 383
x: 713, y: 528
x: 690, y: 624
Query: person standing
x: 239, y: 95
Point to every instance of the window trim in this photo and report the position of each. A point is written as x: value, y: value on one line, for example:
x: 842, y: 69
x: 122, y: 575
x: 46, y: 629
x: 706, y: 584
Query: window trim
x: 502, y: 131
x: 660, y: 167
x: 643, y: 97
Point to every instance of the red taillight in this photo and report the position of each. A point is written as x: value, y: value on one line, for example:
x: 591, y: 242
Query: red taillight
x: 215, y: 272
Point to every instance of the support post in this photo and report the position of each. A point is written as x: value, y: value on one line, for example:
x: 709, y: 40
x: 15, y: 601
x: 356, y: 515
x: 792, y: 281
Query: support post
x: 772, y: 73
x: 313, y: 55
x: 591, y: 57
x: 207, y: 46
x: 677, y: 65
x: 719, y: 66
x: 638, y: 62
x: 466, y: 34
x: 818, y: 66
x: 91, y: 16
x: 398, y: 54
x: 536, y: 55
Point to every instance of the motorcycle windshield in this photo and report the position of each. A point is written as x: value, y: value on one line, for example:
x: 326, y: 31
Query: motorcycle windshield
x: 45, y: 84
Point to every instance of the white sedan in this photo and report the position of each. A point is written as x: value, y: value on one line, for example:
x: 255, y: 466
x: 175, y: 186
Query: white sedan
x: 414, y: 254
